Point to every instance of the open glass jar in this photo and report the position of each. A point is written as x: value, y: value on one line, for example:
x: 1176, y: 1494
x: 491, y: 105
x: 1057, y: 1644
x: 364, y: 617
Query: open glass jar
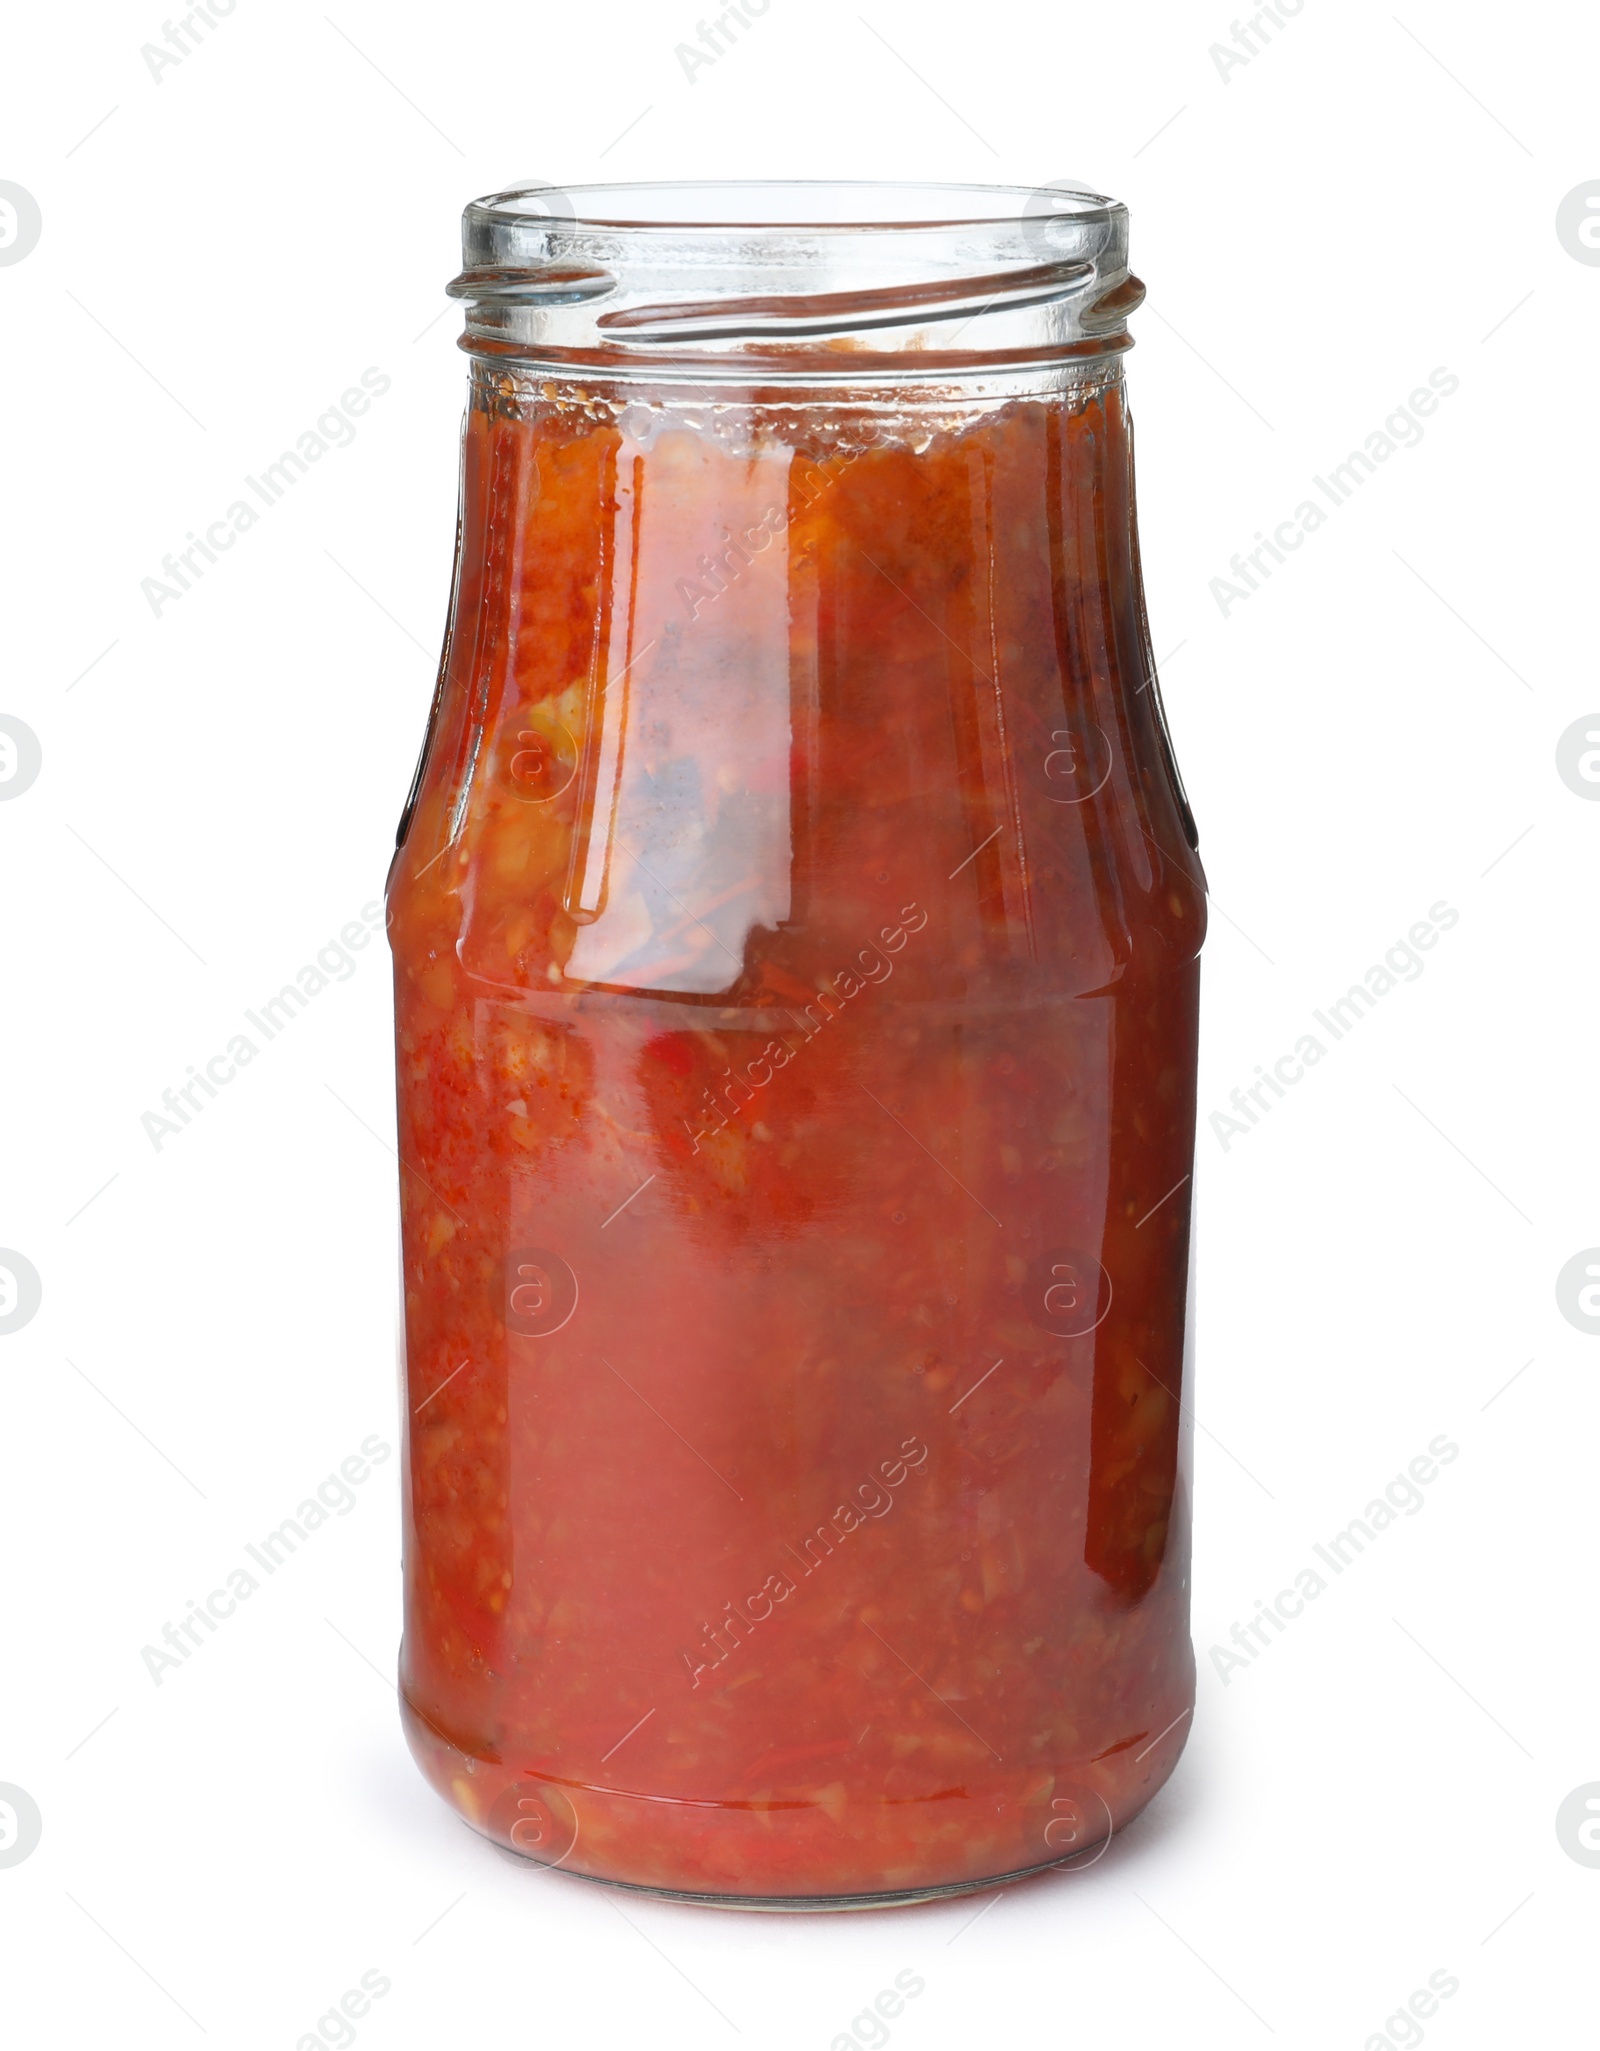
x: 796, y: 923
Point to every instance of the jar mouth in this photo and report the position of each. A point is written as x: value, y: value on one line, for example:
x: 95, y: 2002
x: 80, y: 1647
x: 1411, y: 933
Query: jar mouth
x: 795, y: 279
x: 818, y: 205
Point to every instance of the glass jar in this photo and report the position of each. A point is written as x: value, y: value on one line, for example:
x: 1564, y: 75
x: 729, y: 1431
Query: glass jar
x: 796, y: 922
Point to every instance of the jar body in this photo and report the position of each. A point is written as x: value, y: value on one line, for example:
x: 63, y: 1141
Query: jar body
x: 796, y: 937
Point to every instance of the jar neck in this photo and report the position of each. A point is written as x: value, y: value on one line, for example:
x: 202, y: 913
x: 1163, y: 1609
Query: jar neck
x: 685, y: 493
x: 796, y: 283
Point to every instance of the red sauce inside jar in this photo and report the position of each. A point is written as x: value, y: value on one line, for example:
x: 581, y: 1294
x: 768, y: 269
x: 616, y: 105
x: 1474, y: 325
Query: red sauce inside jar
x: 796, y: 964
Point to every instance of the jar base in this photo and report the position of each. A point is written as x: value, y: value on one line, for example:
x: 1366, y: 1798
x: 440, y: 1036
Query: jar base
x: 811, y: 1904
x: 534, y: 1822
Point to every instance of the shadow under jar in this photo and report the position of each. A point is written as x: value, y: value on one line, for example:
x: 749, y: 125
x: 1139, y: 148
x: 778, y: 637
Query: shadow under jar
x: 796, y: 923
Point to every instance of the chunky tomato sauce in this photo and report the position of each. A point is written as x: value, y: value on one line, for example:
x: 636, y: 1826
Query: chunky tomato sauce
x: 796, y: 940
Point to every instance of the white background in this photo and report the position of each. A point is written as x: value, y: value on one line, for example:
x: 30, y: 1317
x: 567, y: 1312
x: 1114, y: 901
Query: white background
x: 1374, y: 730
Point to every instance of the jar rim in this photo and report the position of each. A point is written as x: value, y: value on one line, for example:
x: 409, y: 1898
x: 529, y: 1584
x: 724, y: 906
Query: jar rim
x: 715, y: 275
x: 830, y: 206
